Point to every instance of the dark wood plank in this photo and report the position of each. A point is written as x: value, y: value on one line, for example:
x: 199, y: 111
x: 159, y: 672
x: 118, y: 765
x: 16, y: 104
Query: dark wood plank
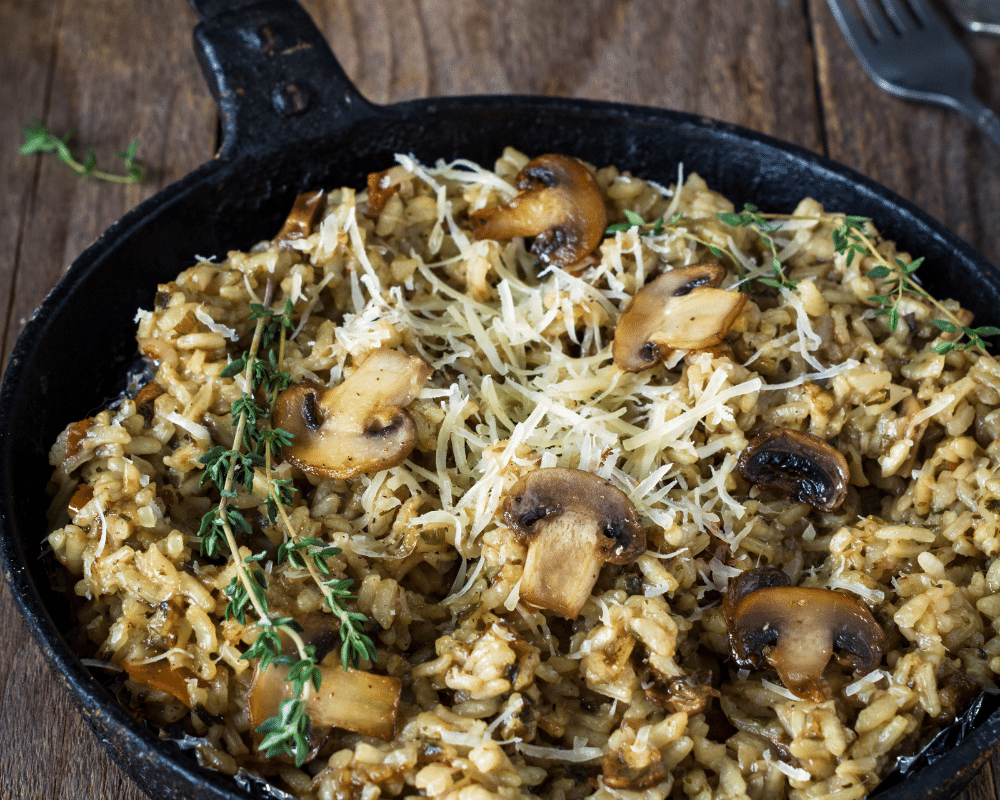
x: 120, y: 70
x: 982, y: 786
x: 27, y: 53
x: 113, y: 71
x: 751, y: 69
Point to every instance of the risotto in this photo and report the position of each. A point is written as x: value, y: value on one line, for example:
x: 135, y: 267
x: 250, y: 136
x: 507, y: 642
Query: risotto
x: 588, y: 487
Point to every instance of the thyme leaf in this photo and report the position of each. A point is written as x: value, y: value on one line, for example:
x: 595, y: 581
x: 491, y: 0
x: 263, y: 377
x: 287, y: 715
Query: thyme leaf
x: 750, y: 217
x: 896, y: 280
x: 853, y: 237
x: 39, y: 139
x: 256, y: 444
x: 287, y: 733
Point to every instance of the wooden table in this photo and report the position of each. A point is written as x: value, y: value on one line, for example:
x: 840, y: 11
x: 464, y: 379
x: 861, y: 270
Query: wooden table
x: 115, y: 70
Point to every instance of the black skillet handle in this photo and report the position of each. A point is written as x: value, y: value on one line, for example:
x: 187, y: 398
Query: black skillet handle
x: 272, y: 73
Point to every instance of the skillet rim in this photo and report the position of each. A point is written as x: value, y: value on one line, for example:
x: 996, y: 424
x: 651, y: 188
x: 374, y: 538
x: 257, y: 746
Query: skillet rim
x: 107, y: 718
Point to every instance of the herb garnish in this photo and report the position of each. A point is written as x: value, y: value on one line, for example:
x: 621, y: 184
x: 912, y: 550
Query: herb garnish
x: 751, y: 218
x: 39, y: 139
x: 748, y: 218
x: 255, y: 446
x: 851, y: 239
x: 635, y: 220
x: 898, y: 280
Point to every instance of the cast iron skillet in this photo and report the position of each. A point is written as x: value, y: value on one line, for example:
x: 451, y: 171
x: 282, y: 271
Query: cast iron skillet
x: 292, y: 120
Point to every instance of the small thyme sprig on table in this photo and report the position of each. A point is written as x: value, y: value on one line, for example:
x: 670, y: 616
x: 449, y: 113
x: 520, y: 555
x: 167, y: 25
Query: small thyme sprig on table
x: 39, y: 139
x: 255, y: 446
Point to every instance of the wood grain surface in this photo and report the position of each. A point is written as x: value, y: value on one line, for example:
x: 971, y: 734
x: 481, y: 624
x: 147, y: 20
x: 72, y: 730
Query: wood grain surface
x: 115, y: 70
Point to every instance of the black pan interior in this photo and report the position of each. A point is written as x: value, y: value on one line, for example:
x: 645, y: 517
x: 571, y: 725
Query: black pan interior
x: 73, y: 354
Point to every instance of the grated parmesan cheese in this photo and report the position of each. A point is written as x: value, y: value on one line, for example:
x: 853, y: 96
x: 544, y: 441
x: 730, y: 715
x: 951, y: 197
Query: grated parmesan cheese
x: 808, y: 339
x: 506, y: 716
x: 795, y: 773
x: 580, y: 752
x: 199, y: 432
x: 216, y: 327
x: 779, y: 690
x: 864, y: 681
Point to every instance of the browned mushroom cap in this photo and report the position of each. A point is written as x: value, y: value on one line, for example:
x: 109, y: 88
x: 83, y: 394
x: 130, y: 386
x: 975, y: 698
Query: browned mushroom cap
x: 350, y: 699
x: 680, y: 310
x: 795, y: 631
x: 359, y: 426
x: 302, y: 218
x: 801, y: 464
x: 572, y: 522
x: 559, y: 203
x: 750, y: 581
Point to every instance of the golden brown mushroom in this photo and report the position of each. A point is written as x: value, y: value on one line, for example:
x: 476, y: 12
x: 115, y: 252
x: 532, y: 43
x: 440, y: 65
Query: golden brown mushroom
x: 572, y: 522
x: 682, y: 309
x: 795, y: 630
x: 83, y: 495
x: 162, y: 676
x: 359, y: 426
x: 750, y: 581
x: 301, y: 220
x: 350, y: 699
x: 381, y: 188
x: 803, y: 465
x: 559, y: 203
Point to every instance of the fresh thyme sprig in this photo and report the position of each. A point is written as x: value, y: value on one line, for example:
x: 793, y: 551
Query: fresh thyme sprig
x: 850, y: 238
x: 897, y: 280
x: 634, y: 220
x: 750, y: 217
x: 39, y: 139
x: 660, y: 225
x: 355, y: 645
x: 255, y: 447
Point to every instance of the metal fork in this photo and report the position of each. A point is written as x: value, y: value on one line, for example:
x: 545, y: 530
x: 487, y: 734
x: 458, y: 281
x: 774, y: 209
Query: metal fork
x: 907, y: 49
x: 979, y: 16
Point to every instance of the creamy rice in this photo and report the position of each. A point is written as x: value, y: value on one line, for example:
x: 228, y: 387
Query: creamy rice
x: 638, y: 696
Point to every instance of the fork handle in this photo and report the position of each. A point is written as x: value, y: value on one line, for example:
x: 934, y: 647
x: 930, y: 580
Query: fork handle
x: 988, y: 122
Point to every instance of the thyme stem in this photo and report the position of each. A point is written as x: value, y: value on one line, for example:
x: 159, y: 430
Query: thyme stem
x: 254, y: 450
x: 849, y: 238
x: 916, y: 288
x: 227, y: 488
x: 39, y: 139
